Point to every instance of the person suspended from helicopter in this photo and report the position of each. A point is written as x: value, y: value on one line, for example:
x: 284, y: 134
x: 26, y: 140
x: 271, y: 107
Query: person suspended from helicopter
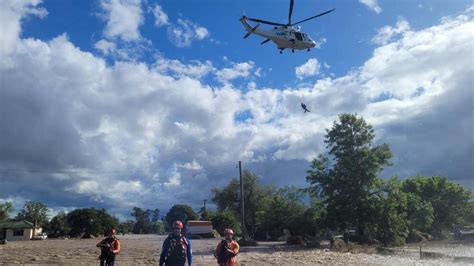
x: 304, y: 108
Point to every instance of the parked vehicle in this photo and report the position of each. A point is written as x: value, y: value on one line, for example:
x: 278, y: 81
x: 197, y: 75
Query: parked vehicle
x: 43, y: 236
x: 199, y: 229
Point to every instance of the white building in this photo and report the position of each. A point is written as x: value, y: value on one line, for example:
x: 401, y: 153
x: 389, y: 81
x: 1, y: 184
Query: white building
x: 22, y: 230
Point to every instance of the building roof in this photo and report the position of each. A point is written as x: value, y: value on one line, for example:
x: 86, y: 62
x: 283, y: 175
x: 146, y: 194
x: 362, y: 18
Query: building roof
x: 199, y: 223
x: 16, y: 225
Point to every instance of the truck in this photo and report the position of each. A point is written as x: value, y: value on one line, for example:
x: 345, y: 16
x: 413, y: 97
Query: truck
x: 200, y: 229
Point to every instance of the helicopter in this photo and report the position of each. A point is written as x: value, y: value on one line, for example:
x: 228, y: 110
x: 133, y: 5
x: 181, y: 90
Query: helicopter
x: 285, y: 36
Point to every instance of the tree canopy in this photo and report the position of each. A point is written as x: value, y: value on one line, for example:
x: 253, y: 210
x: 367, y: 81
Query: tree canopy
x: 347, y: 177
x: 181, y: 212
x: 5, y: 210
x: 34, y: 212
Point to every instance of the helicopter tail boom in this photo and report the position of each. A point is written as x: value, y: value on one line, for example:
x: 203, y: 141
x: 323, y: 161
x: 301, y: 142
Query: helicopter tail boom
x: 247, y: 26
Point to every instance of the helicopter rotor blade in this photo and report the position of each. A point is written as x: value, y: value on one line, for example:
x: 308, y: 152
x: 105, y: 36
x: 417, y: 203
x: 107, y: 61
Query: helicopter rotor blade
x: 251, y: 31
x: 290, y: 11
x: 265, y: 22
x: 318, y: 15
x: 267, y: 40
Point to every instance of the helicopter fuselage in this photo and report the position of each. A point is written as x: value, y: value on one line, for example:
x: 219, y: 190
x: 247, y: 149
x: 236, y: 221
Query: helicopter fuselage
x: 285, y: 37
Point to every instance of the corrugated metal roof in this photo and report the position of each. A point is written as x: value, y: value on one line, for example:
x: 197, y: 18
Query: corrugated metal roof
x: 16, y: 225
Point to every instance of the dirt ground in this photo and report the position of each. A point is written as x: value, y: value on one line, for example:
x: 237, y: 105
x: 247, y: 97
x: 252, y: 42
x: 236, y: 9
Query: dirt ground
x: 145, y: 250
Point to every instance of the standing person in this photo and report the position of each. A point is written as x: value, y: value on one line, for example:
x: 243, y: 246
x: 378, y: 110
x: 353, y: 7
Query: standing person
x: 176, y: 248
x: 109, y: 248
x: 227, y: 250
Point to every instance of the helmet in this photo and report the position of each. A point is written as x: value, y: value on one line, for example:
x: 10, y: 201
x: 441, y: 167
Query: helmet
x: 113, y: 231
x: 228, y: 231
x: 178, y: 224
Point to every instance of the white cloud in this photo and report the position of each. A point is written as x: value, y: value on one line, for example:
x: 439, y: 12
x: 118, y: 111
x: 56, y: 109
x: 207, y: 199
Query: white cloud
x: 11, y: 14
x: 161, y: 18
x: 372, y: 5
x: 194, y: 69
x: 190, y: 165
x: 201, y: 33
x: 308, y: 69
x: 387, y: 33
x: 105, y: 47
x: 238, y: 70
x: 185, y: 32
x: 140, y: 124
x: 124, y: 18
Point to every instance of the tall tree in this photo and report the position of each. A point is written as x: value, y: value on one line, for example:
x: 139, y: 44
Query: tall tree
x: 180, y: 212
x: 346, y: 179
x: 34, y: 212
x: 142, y: 221
x: 5, y: 210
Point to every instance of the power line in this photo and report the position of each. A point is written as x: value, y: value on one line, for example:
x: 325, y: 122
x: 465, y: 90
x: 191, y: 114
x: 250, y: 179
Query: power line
x: 64, y: 171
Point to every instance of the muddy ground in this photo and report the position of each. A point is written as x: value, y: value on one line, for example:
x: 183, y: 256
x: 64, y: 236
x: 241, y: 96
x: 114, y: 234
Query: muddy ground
x: 145, y: 250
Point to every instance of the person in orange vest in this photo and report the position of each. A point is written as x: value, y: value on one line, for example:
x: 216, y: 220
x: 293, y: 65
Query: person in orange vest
x: 227, y: 250
x: 109, y: 248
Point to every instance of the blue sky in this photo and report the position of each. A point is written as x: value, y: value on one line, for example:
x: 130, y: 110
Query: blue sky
x: 158, y: 100
x: 348, y: 31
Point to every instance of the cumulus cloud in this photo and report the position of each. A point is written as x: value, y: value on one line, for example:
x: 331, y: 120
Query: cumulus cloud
x: 124, y: 18
x: 176, y: 68
x: 161, y: 18
x: 105, y: 47
x: 387, y: 33
x: 185, y: 32
x: 191, y: 165
x: 308, y: 69
x: 12, y: 12
x: 145, y: 131
x: 372, y: 5
x: 238, y: 70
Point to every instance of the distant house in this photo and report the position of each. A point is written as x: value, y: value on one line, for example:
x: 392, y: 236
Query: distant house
x: 22, y: 230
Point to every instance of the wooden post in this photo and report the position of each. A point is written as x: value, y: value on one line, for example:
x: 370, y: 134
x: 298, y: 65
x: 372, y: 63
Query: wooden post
x: 242, y: 212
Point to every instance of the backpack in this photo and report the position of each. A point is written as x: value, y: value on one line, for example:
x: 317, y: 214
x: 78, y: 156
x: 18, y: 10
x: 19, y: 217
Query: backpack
x: 222, y: 255
x: 106, y: 252
x: 177, y: 251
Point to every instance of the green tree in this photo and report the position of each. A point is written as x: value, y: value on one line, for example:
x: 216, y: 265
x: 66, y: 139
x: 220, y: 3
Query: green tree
x: 58, y: 226
x: 257, y: 199
x: 225, y: 219
x: 158, y: 228
x: 388, y: 219
x: 180, y: 212
x: 419, y: 213
x: 5, y: 210
x: 90, y: 221
x: 285, y: 211
x: 468, y: 216
x: 142, y: 221
x: 34, y: 212
x: 126, y: 227
x: 146, y: 221
x: 448, y: 200
x: 346, y: 179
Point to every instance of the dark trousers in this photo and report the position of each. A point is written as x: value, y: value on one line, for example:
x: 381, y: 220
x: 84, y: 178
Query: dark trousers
x: 110, y: 261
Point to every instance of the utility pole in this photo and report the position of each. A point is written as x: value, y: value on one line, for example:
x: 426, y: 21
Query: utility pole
x: 242, y: 200
x: 205, y: 204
